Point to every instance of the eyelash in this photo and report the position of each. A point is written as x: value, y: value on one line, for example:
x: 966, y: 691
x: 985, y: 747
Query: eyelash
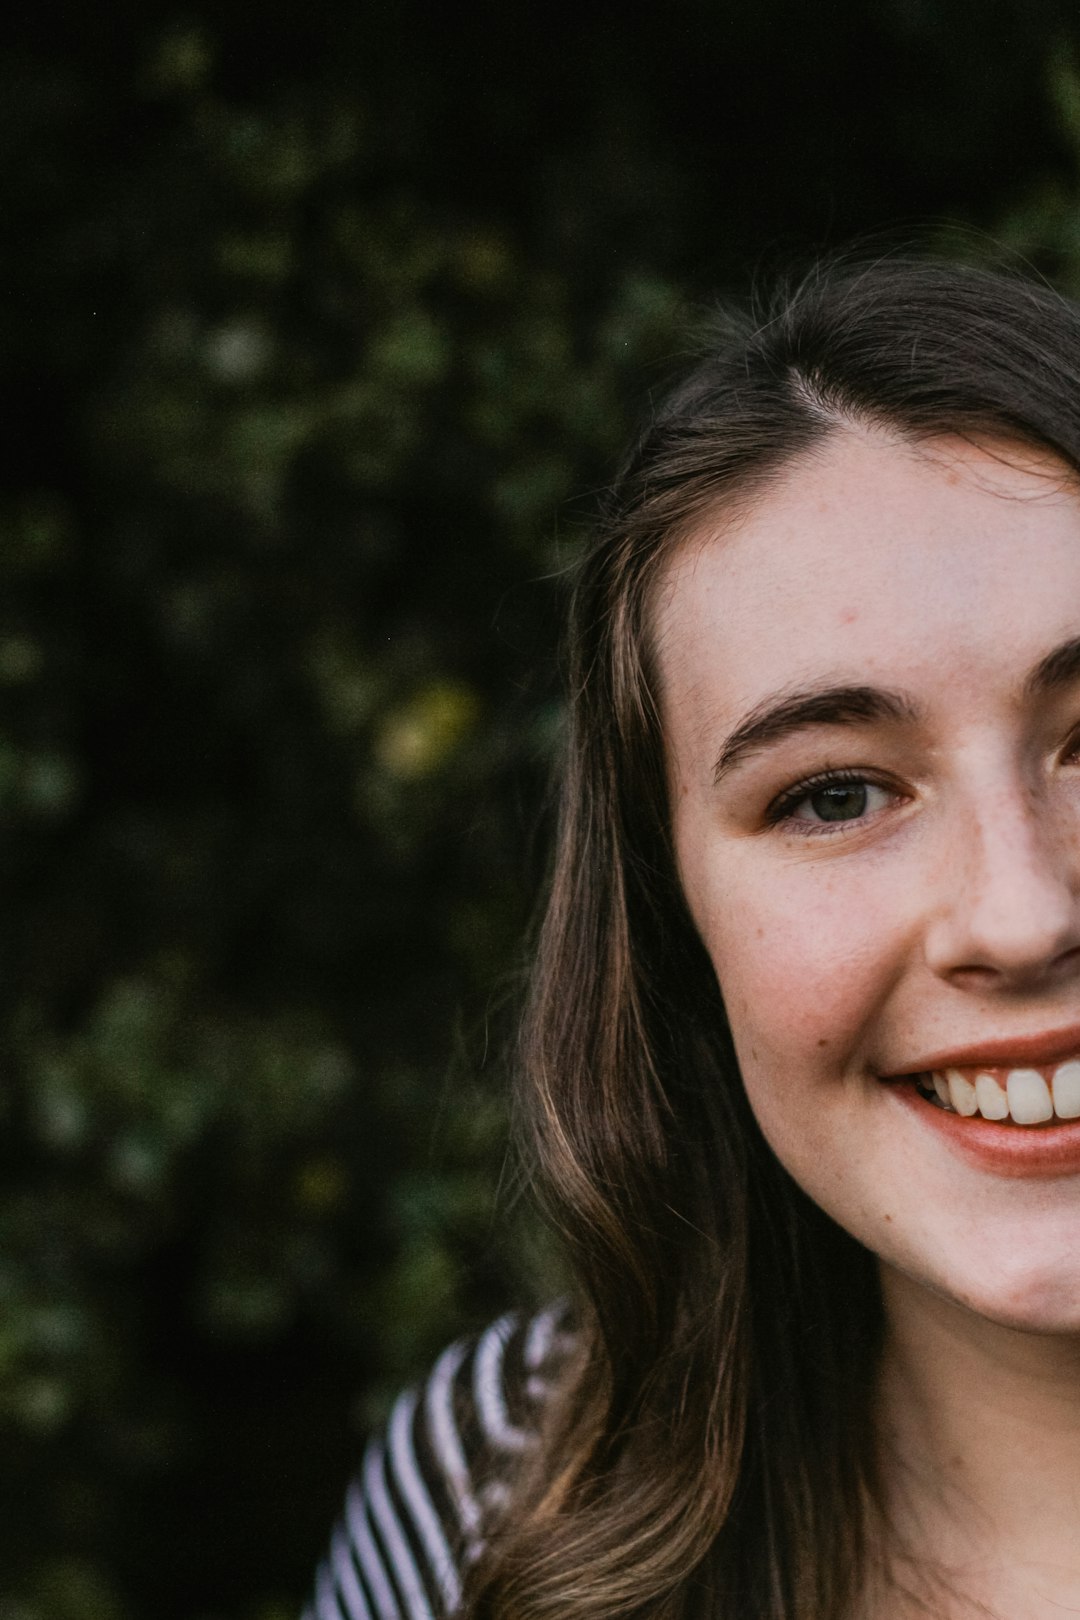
x: 782, y: 807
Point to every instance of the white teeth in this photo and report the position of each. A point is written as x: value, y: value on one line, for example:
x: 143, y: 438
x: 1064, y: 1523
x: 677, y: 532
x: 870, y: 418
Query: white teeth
x: 1067, y: 1091
x: 1026, y: 1098
x: 992, y: 1101
x: 1029, y: 1097
x: 961, y: 1092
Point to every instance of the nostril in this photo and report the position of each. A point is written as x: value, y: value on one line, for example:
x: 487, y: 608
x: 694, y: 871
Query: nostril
x: 1007, y: 937
x: 1008, y: 913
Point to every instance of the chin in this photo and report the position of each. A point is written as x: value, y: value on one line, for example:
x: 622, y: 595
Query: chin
x: 1028, y: 1298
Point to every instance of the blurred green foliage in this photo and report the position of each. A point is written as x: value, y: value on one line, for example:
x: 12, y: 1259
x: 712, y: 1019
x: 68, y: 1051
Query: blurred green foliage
x: 318, y: 336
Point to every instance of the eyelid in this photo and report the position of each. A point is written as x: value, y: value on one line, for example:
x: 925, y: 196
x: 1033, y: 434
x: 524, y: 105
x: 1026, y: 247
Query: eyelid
x: 778, y: 811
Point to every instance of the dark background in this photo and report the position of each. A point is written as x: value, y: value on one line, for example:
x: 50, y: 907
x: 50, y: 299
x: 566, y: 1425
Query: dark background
x: 321, y: 326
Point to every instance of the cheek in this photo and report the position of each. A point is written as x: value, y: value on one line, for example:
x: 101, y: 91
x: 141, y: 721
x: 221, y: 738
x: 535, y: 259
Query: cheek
x: 808, y: 996
x: 805, y: 967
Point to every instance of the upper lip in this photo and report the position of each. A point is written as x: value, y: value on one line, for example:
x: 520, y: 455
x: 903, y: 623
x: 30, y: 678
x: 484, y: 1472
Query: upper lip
x: 1051, y: 1046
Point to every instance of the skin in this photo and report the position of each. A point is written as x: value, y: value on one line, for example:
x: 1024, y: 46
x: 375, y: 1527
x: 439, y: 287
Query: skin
x: 944, y: 911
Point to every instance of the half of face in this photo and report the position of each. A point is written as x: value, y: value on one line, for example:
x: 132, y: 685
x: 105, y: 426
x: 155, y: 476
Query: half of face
x: 870, y: 689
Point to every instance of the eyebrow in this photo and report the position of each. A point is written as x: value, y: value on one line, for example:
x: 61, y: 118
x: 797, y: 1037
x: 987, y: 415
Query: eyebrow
x: 844, y: 705
x: 1059, y: 668
x: 814, y: 706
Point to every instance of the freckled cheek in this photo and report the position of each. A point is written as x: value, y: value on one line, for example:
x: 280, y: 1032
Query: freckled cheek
x: 801, y: 982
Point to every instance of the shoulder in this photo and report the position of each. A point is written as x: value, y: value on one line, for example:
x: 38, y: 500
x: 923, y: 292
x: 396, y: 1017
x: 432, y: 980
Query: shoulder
x: 415, y: 1515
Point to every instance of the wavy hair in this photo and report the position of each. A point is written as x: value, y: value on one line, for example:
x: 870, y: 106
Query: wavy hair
x: 712, y: 1452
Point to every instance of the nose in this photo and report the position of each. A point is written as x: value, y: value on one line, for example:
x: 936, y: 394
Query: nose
x: 1009, y: 914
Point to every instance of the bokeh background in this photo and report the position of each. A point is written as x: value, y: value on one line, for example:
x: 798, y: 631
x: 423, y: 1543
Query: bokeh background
x: 322, y: 323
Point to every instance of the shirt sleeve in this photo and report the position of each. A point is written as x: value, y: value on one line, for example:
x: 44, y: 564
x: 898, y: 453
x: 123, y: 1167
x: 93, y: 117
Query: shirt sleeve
x: 415, y: 1513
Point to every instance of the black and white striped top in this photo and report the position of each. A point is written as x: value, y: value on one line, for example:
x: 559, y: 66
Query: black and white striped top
x: 415, y: 1514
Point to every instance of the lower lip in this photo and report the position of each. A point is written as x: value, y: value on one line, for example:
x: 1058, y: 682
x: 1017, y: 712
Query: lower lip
x: 1006, y: 1150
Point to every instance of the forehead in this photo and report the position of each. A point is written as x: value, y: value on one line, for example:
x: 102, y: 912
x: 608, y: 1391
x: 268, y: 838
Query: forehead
x: 872, y: 556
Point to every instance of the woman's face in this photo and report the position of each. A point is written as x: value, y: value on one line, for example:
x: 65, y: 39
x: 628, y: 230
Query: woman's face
x: 871, y: 696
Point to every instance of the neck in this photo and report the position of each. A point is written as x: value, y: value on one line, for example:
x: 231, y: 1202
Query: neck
x: 980, y: 1436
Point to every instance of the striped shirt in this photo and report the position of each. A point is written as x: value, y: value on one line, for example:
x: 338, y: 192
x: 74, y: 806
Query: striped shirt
x: 414, y: 1515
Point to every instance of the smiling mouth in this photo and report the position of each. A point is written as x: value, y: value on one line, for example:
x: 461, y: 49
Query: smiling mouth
x: 1025, y: 1095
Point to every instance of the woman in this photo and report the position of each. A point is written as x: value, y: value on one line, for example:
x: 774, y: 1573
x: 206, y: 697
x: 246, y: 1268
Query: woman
x: 800, y: 1072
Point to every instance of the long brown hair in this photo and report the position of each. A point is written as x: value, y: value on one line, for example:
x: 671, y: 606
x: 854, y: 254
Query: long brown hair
x: 713, y: 1452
